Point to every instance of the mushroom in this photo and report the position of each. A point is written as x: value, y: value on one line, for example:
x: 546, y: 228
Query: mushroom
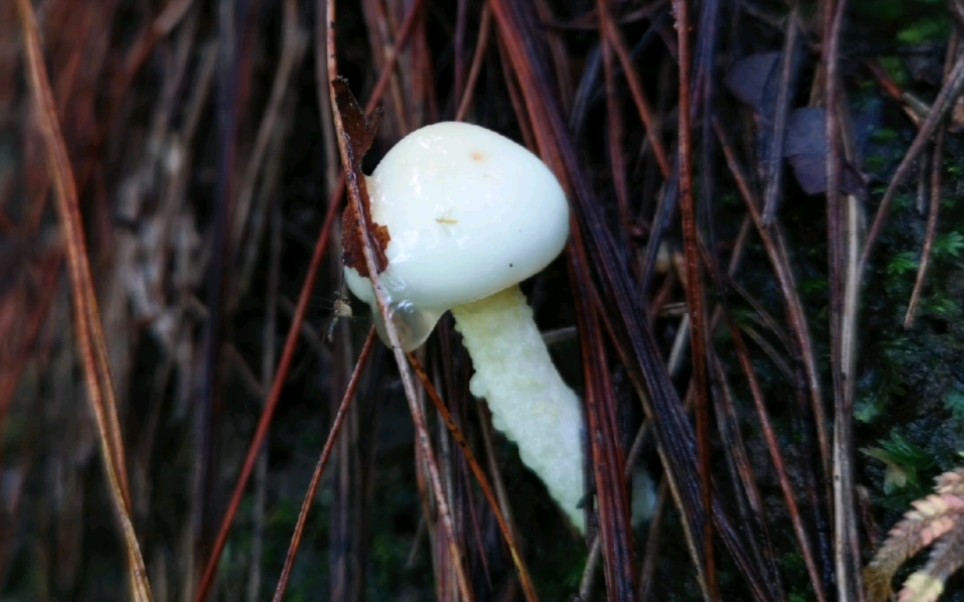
x: 463, y: 215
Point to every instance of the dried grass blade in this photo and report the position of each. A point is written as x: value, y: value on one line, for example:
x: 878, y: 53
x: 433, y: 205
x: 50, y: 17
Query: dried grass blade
x: 162, y: 25
x: 274, y: 397
x: 953, y: 85
x: 634, y: 340
x: 608, y: 455
x: 293, y: 45
x: 750, y: 505
x: 695, y: 298
x: 773, y: 243
x: 322, y: 464
x: 930, y: 232
x: 776, y: 250
x: 615, y: 38
x: 482, y: 45
x: 935, y: 204
x: 528, y: 589
x: 773, y: 162
x: 776, y: 457
x: 90, y: 335
x: 354, y: 134
x: 293, y: 337
x: 614, y: 123
x: 844, y: 269
x: 351, y: 153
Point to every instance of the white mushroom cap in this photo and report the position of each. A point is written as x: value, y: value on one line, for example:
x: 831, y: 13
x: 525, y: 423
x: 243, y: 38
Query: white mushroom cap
x: 469, y: 213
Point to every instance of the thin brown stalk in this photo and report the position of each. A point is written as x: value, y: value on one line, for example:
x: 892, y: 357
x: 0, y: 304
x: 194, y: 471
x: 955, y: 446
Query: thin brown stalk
x: 730, y: 431
x: 930, y: 232
x: 388, y: 72
x: 936, y: 190
x: 291, y: 344
x: 784, y: 275
x: 528, y: 588
x: 768, y: 350
x: 557, y: 54
x: 614, y: 121
x: 748, y: 497
x: 843, y: 276
x: 274, y: 397
x: 635, y: 450
x: 322, y: 463
x: 482, y: 45
x: 614, y: 37
x: 90, y: 335
x: 608, y: 459
x: 953, y: 85
x: 516, y: 97
x: 776, y: 248
x: 293, y: 44
x: 695, y: 293
x: 774, y: 159
x: 172, y: 14
x: 351, y: 148
x: 647, y: 571
x: 634, y: 341
x: 776, y: 458
x: 762, y: 316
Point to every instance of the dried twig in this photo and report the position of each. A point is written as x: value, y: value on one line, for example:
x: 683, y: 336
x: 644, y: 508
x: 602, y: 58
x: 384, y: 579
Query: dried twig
x: 90, y: 334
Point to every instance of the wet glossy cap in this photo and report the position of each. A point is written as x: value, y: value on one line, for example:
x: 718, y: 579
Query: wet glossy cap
x: 469, y: 213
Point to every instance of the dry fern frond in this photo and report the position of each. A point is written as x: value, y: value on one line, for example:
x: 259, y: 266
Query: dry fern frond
x: 935, y: 518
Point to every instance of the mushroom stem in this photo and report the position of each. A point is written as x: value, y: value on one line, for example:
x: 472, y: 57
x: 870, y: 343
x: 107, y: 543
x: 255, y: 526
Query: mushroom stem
x: 530, y: 403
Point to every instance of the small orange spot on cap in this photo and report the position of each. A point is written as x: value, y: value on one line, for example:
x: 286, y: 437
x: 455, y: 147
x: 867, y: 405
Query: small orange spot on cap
x: 477, y: 156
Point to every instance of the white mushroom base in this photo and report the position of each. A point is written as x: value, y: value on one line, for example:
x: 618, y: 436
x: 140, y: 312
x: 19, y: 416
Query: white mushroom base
x: 530, y: 403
